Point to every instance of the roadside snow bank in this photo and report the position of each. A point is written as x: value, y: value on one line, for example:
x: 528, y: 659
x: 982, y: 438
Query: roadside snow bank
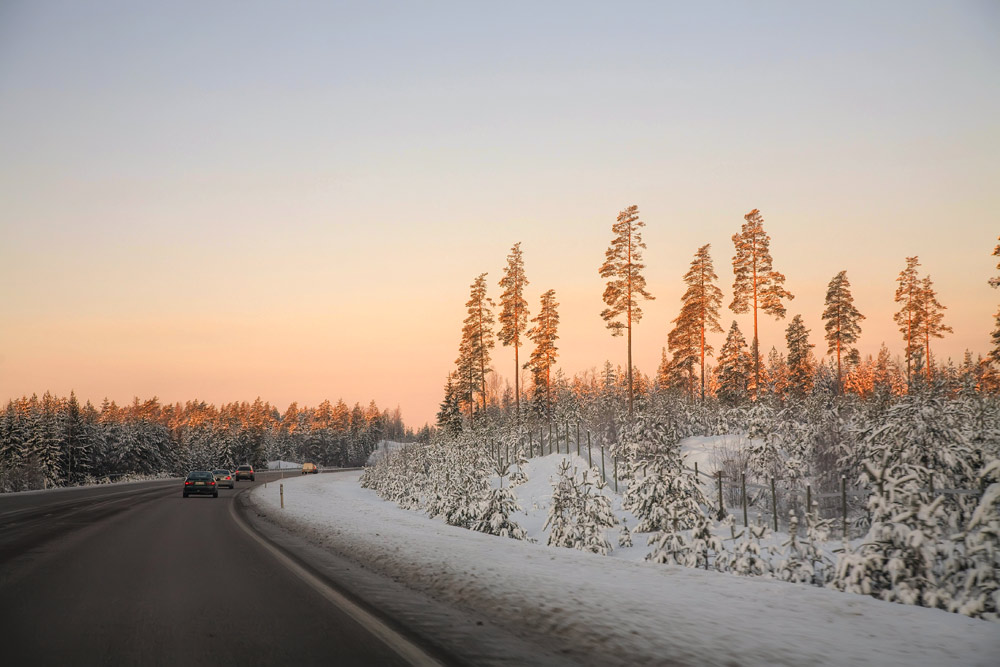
x: 623, y: 610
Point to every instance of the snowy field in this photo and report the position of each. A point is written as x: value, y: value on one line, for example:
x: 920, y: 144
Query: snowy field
x: 619, y: 609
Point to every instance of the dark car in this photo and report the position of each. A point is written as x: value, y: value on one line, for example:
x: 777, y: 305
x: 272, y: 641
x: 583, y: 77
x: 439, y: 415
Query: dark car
x: 201, y: 482
x: 224, y: 478
x: 245, y: 472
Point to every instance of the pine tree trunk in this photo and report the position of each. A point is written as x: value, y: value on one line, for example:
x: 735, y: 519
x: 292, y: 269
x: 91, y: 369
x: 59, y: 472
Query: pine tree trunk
x: 517, y: 385
x: 756, y: 350
x: 629, y: 283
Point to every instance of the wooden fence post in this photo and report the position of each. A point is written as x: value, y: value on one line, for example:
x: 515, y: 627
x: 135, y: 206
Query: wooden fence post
x: 809, y: 499
x: 722, y: 507
x: 931, y: 481
x: 604, y: 470
x: 614, y: 459
x: 774, y: 505
x: 843, y: 502
x: 743, y: 485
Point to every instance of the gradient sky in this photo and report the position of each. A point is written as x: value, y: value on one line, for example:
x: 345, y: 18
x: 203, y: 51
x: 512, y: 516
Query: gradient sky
x: 290, y: 200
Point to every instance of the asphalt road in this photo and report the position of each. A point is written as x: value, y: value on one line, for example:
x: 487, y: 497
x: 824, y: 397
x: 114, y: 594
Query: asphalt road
x: 136, y: 574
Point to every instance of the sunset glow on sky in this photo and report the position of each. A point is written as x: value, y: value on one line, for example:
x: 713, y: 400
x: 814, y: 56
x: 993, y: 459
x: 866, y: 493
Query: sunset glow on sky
x: 290, y: 200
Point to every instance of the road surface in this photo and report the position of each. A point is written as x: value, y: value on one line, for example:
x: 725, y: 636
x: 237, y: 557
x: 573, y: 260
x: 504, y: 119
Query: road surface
x: 136, y: 574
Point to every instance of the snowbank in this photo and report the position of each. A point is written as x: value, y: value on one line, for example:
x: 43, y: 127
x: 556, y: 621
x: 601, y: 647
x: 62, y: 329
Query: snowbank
x: 620, y: 609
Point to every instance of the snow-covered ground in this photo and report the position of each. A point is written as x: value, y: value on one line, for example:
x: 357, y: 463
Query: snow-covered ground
x: 621, y: 609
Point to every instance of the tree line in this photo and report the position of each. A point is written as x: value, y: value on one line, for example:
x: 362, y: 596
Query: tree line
x: 741, y: 373
x: 57, y: 441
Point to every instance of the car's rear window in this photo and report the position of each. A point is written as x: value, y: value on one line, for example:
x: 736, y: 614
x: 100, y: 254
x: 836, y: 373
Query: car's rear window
x: 244, y: 468
x: 221, y: 472
x: 200, y: 475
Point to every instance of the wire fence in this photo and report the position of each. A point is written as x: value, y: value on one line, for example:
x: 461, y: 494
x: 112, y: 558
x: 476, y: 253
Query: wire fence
x: 727, y: 494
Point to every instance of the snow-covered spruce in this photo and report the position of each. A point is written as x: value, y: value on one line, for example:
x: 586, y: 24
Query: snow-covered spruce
x: 748, y: 559
x: 662, y: 493
x: 580, y: 512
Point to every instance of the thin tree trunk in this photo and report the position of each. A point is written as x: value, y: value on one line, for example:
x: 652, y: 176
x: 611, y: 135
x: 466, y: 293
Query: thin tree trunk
x: 629, y: 292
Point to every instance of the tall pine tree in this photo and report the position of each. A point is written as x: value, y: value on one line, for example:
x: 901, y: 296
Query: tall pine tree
x: 699, y: 315
x: 908, y: 296
x: 994, y: 354
x: 544, y: 334
x: 477, y: 340
x: 514, y: 312
x: 735, y: 367
x: 800, y: 365
x: 757, y: 285
x: 623, y: 268
x: 842, y: 320
x: 930, y: 318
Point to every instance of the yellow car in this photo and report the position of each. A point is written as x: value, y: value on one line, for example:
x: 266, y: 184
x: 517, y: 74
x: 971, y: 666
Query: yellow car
x: 309, y: 468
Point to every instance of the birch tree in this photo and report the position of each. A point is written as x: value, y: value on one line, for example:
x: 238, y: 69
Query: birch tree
x: 626, y: 285
x: 757, y: 285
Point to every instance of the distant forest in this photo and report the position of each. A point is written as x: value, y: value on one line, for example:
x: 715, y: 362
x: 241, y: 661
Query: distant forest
x: 53, y: 441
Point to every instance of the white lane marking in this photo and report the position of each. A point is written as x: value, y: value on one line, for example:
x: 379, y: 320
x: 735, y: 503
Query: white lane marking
x: 403, y: 647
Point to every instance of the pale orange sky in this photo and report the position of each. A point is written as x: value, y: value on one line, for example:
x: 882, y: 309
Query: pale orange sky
x: 292, y: 203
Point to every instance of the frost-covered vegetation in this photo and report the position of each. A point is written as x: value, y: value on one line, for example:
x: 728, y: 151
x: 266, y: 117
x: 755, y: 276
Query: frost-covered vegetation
x: 52, y: 441
x: 925, y: 529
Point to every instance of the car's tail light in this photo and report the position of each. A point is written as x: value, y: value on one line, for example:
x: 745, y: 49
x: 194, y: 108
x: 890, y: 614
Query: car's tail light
x: 212, y: 483
x: 186, y: 483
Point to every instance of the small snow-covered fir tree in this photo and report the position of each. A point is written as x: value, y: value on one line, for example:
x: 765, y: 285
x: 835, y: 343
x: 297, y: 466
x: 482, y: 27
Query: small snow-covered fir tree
x: 662, y: 493
x: 748, y: 558
x: 518, y: 475
x: 971, y: 571
x: 625, y: 535
x: 596, y: 514
x: 705, y: 545
x: 803, y: 562
x: 495, y: 512
x: 562, y: 508
x: 669, y: 546
x: 896, y: 561
x: 580, y: 511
